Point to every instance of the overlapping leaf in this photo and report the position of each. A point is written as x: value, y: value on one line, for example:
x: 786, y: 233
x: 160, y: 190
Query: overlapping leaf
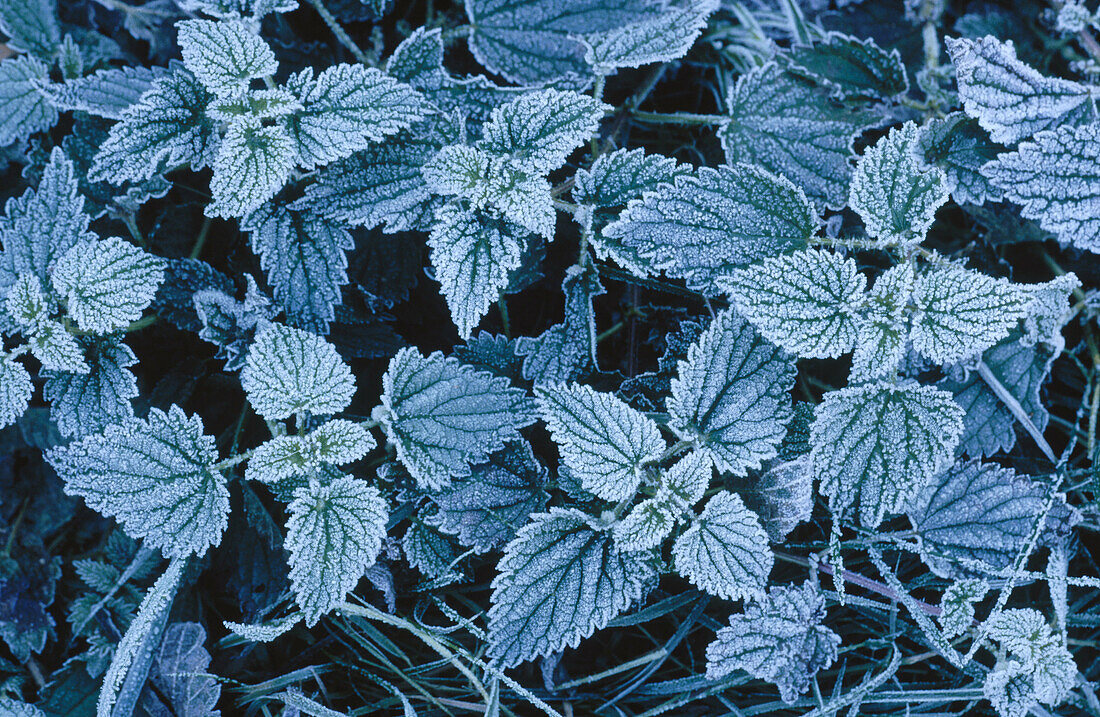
x: 665, y: 37
x: 959, y: 146
x: 540, y: 129
x: 85, y: 403
x: 15, y: 390
x: 252, y: 165
x: 224, y: 55
x: 725, y: 551
x: 849, y: 67
x: 24, y: 110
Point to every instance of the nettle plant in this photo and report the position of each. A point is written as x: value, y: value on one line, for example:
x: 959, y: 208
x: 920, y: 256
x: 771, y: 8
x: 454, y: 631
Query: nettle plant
x: 801, y: 245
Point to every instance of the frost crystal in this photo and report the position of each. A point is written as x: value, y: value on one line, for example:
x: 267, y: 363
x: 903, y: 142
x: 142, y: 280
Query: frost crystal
x: 882, y: 444
x: 335, y: 442
x: 645, y: 526
x: 804, y: 302
x: 663, y: 38
x: 1041, y: 668
x: 957, y: 605
x: 56, y: 349
x: 291, y: 371
x: 686, y: 482
x: 603, y: 441
x: 617, y: 177
x: 539, y: 130
x: 104, y: 93
x: 731, y: 395
x: 26, y: 304
x: 884, y: 330
x: 224, y: 55
x: 725, y: 551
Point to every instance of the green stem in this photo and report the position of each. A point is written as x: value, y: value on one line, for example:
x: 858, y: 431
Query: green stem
x: 200, y: 240
x: 341, y: 36
x: 232, y: 461
x: 505, y: 324
x: 680, y: 118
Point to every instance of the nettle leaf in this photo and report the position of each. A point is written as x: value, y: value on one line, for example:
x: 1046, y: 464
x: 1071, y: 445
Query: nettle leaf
x: 783, y: 497
x: 292, y: 371
x: 485, y: 509
x: 686, y: 482
x: 473, y: 255
x: 85, y: 403
x: 731, y: 395
x: 24, y: 110
x: 155, y: 477
x: 560, y: 580
x: 712, y: 221
x: 979, y: 512
x: 1050, y: 309
x: 334, y: 442
x: 252, y: 165
x: 57, y: 349
x: 882, y: 333
x: 441, y: 415
x: 1041, y: 659
x: 346, y: 109
x: 1009, y: 99
x: 603, y: 442
x: 104, y: 93
x: 530, y: 42
x: 18, y: 708
x: 304, y: 255
x: 663, y: 38
x: 850, y: 67
x: 167, y: 127
x: 959, y: 146
x: 646, y: 526
x: 225, y: 55
x: 617, y: 177
x: 31, y: 26
x: 181, y: 672
x: 334, y: 534
x: 779, y: 638
x: 1055, y: 179
x: 725, y: 551
x: 789, y: 127
x: 427, y: 550
x: 957, y: 605
x: 959, y: 313
x: 26, y: 304
x: 261, y: 104
x: 15, y: 390
x: 107, y: 284
x: 566, y: 349
x: 805, y: 301
x: 540, y: 129
x: 893, y: 193
x: 882, y: 444
x: 418, y: 60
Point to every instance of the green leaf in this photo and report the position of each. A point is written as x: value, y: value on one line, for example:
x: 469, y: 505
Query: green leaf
x: 603, y: 442
x: 731, y: 395
x: 712, y: 221
x: 292, y: 371
x: 959, y: 146
x: 107, y: 284
x: 793, y: 129
x: 15, y: 390
x: 26, y: 304
x: 882, y: 444
x: 725, y: 551
x: 85, y: 403
x: 1009, y: 99
x: 418, y: 60
x: 1040, y: 658
x: 805, y: 301
x: 346, y: 109
x: 560, y: 580
x: 18, y: 708
x: 224, y: 55
x: 957, y: 605
x: 31, y: 26
x: 155, y: 477
x: 260, y: 104
x: 441, y: 415
x: 252, y: 165
x: 850, y: 68
x: 334, y: 442
x: 23, y: 110
x: 334, y: 534
x: 663, y: 38
x: 1056, y: 179
x: 882, y: 332
x: 779, y: 638
x: 540, y: 129
x: 893, y: 193
x: 686, y: 482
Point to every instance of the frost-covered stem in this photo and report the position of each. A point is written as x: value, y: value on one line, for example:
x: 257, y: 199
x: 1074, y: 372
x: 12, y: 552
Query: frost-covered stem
x: 131, y: 225
x: 681, y: 118
x: 457, y: 33
x: 1017, y: 410
x: 674, y: 450
x: 598, y: 87
x: 567, y: 207
x: 233, y: 461
x: 143, y: 322
x: 1094, y: 404
x: 341, y: 36
x: 860, y: 580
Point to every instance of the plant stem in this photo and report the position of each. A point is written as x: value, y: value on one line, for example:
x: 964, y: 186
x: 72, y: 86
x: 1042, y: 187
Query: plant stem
x: 681, y: 118
x: 200, y: 240
x: 1017, y: 410
x: 860, y: 580
x: 341, y: 36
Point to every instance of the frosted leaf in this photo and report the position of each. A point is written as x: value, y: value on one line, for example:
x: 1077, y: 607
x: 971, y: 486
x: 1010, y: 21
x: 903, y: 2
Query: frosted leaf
x: 882, y: 444
x: 893, y: 193
x: 85, y: 403
x: 104, y: 93
x: 155, y: 477
x: 334, y: 442
x: 380, y: 185
x: 18, y: 708
x: 427, y: 550
x: 304, y: 255
x: 565, y: 350
x: 882, y: 332
x: 1049, y: 310
x: 602, y: 441
x: 957, y: 605
x: 230, y: 324
x: 292, y: 371
x: 1056, y: 180
x: 346, y: 109
x: 231, y: 9
x: 181, y: 672
x: 725, y: 551
x: 979, y: 511
x: 15, y: 390
x: 264, y: 632
x: 959, y: 313
x: 31, y: 26
x: 261, y: 104
x: 418, y: 60
x: 959, y: 146
x: 23, y: 110
x: 473, y: 256
x: 783, y: 497
x: 57, y: 349
x: 252, y: 165
x: 107, y: 284
x: 485, y: 509
x: 712, y: 221
x: 224, y: 55
x: 26, y: 304
x: 789, y: 127
x: 645, y: 527
x: 1009, y: 690
x: 540, y: 129
x: 43, y: 223
x: 334, y: 533
x: 560, y: 580
x: 441, y: 415
x: 731, y: 396
x: 1041, y: 653
x: 850, y: 68
x: 663, y: 38
x: 167, y: 127
x: 617, y: 177
x: 804, y: 302
x: 1009, y: 99
x: 684, y: 484
x: 779, y: 638
x: 529, y: 42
